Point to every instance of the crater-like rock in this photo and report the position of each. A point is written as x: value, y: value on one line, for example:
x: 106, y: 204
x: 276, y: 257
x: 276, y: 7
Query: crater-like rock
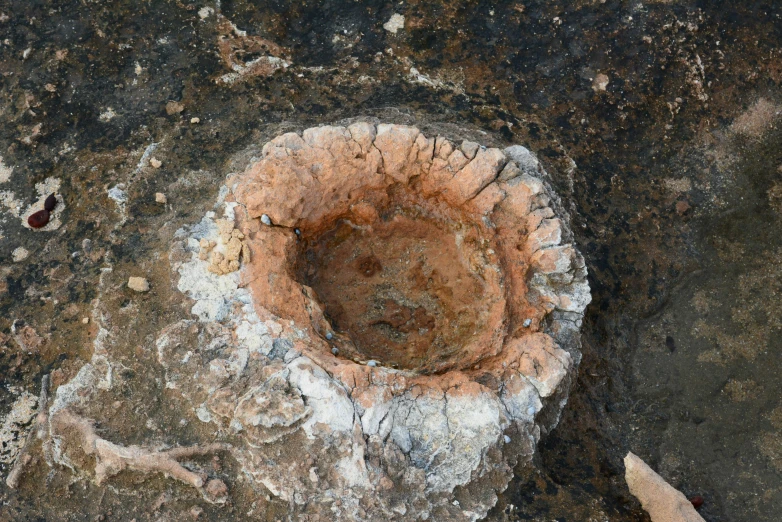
x: 403, y: 327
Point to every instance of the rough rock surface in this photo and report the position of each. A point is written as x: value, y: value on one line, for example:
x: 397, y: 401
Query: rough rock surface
x: 331, y: 431
x: 672, y: 320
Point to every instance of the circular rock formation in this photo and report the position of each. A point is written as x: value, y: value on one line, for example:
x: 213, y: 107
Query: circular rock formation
x: 403, y: 327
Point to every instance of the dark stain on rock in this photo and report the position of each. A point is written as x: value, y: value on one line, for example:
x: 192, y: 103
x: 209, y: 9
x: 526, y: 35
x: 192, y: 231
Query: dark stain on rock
x: 369, y: 266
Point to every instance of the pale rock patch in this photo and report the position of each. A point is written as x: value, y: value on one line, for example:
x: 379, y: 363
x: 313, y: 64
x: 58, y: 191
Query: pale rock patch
x: 13, y: 429
x: 395, y: 23
x: 5, y: 171
x: 19, y: 254
x: 600, y: 83
x: 139, y: 284
x: 662, y: 501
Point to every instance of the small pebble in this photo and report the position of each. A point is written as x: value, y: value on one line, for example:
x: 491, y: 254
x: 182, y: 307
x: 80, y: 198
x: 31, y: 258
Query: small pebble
x: 139, y: 284
x: 335, y: 351
x: 50, y: 203
x: 38, y: 219
x: 329, y: 336
x: 156, y: 163
x: 507, y: 439
x: 195, y: 120
x: 527, y: 322
x: 174, y: 107
x: 266, y: 220
x: 161, y: 198
x: 297, y: 231
x: 372, y: 363
x: 85, y: 320
x: 19, y: 254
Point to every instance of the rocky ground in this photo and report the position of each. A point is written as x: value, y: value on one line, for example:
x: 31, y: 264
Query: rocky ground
x: 659, y: 122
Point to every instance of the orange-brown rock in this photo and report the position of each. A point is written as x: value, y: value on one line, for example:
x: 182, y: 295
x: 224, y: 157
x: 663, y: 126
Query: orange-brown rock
x: 423, y: 276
